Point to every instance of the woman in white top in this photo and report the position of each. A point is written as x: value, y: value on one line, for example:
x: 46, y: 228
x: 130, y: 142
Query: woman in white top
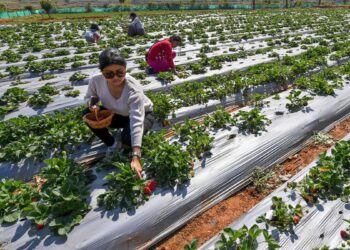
x: 122, y: 94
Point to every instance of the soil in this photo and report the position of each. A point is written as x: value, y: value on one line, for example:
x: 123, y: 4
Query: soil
x: 211, y: 222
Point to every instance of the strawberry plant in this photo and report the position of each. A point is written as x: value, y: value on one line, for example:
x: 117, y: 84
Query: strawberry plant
x: 35, y: 136
x: 219, y: 119
x: 329, y: 178
x: 47, y: 77
x: 205, y: 49
x: 166, y: 77
x: 14, y: 196
x: 197, y: 68
x: 14, y: 95
x: 15, y: 70
x: 321, y: 86
x: 322, y: 138
x: 260, y: 179
x: 198, y: 138
x: 39, y: 100
x: 93, y: 58
x: 297, y: 102
x: 72, y: 93
x: 215, y: 63
x: 67, y: 87
x: 142, y: 63
x: 10, y: 56
x: 140, y: 76
x: 162, y: 105
x: 77, y: 76
x: 77, y: 58
x: 57, y: 198
x: 303, y: 83
x: 125, y: 191
x: 11, y: 99
x: 244, y: 238
x: 258, y: 100
x: 49, y: 90
x: 189, y: 93
x: 36, y: 67
x: 9, y: 107
x: 151, y: 140
x: 3, y: 75
x: 183, y: 74
x: 168, y: 164
x: 63, y: 195
x: 252, y: 121
x: 125, y: 52
x: 62, y: 52
x: 200, y: 142
x: 48, y: 55
x: 77, y: 64
x: 141, y: 51
x: 284, y: 215
x: 185, y: 131
x: 192, y: 245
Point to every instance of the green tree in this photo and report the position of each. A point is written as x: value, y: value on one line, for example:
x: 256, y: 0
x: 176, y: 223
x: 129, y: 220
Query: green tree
x: 28, y: 7
x: 47, y: 6
x: 3, y: 7
x: 88, y: 7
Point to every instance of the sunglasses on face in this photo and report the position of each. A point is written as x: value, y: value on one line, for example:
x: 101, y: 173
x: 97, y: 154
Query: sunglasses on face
x: 112, y: 74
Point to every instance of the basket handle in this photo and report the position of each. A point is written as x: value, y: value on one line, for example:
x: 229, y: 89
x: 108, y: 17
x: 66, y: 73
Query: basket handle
x: 96, y: 114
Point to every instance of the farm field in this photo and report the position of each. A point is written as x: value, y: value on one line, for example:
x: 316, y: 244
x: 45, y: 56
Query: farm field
x: 252, y: 89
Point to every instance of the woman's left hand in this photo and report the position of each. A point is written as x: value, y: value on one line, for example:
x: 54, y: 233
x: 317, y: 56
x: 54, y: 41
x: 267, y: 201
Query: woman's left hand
x: 136, y: 166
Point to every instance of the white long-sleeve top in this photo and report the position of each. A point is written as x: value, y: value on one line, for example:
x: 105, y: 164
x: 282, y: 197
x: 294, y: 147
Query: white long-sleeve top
x: 132, y: 102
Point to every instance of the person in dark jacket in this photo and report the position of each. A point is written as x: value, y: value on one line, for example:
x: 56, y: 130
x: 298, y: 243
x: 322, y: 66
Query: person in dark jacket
x: 136, y: 27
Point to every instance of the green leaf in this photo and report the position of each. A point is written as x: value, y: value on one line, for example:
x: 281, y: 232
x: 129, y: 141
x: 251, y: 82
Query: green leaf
x: 12, y: 217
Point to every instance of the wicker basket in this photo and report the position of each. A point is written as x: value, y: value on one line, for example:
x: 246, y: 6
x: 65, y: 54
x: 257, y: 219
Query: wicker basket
x: 99, y: 119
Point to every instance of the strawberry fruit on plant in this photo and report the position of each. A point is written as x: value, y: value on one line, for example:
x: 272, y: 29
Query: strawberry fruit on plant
x: 60, y: 201
x: 14, y: 196
x: 284, y: 215
x: 329, y: 179
x: 125, y: 190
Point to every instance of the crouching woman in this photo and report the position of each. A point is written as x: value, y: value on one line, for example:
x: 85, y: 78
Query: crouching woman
x: 123, y: 95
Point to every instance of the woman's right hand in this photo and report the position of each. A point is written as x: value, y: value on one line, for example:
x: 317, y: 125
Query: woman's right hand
x: 94, y: 108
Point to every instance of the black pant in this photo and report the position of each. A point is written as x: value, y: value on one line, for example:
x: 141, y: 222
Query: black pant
x: 123, y: 122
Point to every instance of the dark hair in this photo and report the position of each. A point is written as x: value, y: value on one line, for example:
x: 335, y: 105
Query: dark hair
x: 94, y: 26
x: 176, y: 38
x: 133, y: 15
x: 111, y: 56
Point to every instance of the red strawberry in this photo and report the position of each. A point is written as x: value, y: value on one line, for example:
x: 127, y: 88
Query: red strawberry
x: 147, y: 190
x: 296, y: 219
x: 34, y: 199
x: 39, y: 226
x: 152, y: 185
x: 344, y: 234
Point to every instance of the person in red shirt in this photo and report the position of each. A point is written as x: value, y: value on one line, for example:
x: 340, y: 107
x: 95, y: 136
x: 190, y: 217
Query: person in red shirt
x: 161, y: 55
